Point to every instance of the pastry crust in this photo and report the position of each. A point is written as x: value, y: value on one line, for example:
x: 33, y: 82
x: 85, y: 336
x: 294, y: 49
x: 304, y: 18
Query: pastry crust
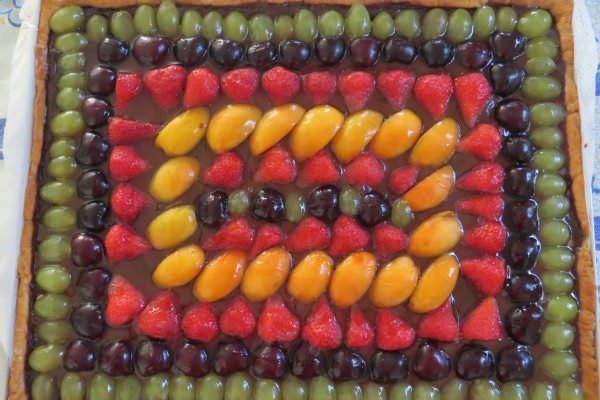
x: 562, y: 11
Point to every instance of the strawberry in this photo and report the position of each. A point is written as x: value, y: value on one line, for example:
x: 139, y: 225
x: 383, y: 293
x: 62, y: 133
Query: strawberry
x: 160, y: 318
x: 127, y: 202
x: 364, y: 170
x: 280, y: 84
x: 122, y: 243
x: 489, y: 206
x: 439, y: 324
x: 395, y: 86
x: 483, y: 323
x: 276, y: 322
x: 165, y: 84
x: 320, y: 86
x: 433, y: 92
x: 473, y: 92
x: 240, y: 84
x: 236, y: 234
x: 276, y: 166
x: 320, y: 169
x: 125, y: 131
x: 199, y: 323
x: 403, y: 178
x: 201, y: 88
x: 360, y: 333
x: 125, y: 163
x: 227, y: 171
x: 321, y: 328
x: 392, y: 332
x: 389, y: 240
x: 237, y: 319
x: 356, y: 88
x: 268, y: 235
x: 486, y: 177
x: 347, y: 235
x: 309, y: 234
x: 124, y: 302
x: 127, y: 88
x: 488, y: 237
x: 487, y: 273
x: 483, y: 141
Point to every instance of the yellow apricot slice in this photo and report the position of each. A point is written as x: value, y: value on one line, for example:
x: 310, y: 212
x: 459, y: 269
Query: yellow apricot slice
x: 355, y: 135
x: 274, y: 126
x: 316, y: 129
x: 436, y: 146
x: 220, y: 276
x: 436, y: 284
x: 172, y: 227
x: 397, y: 135
x: 231, y: 125
x: 352, y: 278
x: 431, y: 191
x: 436, y: 235
x: 183, y: 132
x: 266, y: 274
x: 179, y: 267
x: 309, y: 279
x: 394, y: 283
x: 174, y: 178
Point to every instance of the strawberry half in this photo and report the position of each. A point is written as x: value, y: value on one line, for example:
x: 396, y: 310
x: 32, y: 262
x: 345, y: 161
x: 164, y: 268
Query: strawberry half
x: 123, y: 302
x: 128, y: 87
x: 237, y: 319
x: 320, y: 169
x: 127, y: 202
x: 365, y: 169
x: 433, y: 92
x: 403, y: 178
x: 320, y: 86
x: 160, y: 318
x: 487, y: 273
x: 236, y: 234
x: 487, y: 177
x: 165, y: 84
x: 199, y: 323
x: 227, y: 171
x: 483, y: 323
x: 267, y: 236
x: 276, y: 166
x: 125, y: 163
x: 309, y: 234
x: 473, y: 92
x: 488, y: 206
x: 396, y: 86
x: 201, y: 88
x: 360, y: 333
x: 483, y: 141
x: 321, y: 328
x: 356, y: 89
x: 280, y: 84
x: 240, y: 84
x: 347, y: 235
x: 389, y: 240
x: 392, y: 332
x: 488, y: 237
x: 122, y: 243
x: 439, y: 324
x: 125, y: 131
x: 276, y: 322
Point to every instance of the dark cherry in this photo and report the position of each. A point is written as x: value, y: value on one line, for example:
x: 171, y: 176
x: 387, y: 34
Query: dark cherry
x: 152, y: 357
x: 474, y: 361
x: 437, y: 52
x: 520, y: 182
x: 515, y: 363
x: 92, y: 184
x: 524, y: 323
x: 101, y: 80
x: 473, y: 55
x: 116, y: 358
x: 211, y: 208
x: 524, y: 288
x: 226, y: 53
x: 373, y: 209
x: 93, y: 215
x: 88, y: 320
x: 521, y: 216
x: 431, y: 362
x: 192, y: 359
x: 150, y: 50
x: 270, y: 362
x: 506, y: 79
x: 268, y: 205
x: 92, y: 283
x: 293, y: 54
x: 190, y: 51
x: 399, y: 50
x: 231, y: 357
x: 80, y: 355
x: 308, y: 362
x: 330, y: 51
x: 345, y: 365
x: 364, y: 52
x: 389, y: 366
x: 92, y: 150
x: 521, y: 252
x: 519, y: 149
x: 96, y: 112
x: 513, y: 115
x: 86, y: 249
x: 324, y: 203
x: 262, y: 55
x: 112, y: 51
x: 507, y: 46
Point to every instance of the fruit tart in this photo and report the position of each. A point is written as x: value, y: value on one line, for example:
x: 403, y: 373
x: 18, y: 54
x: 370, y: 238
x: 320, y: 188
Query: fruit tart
x: 318, y: 200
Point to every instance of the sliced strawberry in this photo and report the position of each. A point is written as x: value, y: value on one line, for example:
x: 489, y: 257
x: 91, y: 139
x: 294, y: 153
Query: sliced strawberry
x: 473, y: 92
x: 125, y: 131
x: 439, y: 324
x: 123, y: 302
x: 280, y: 84
x: 199, y: 323
x: 309, y: 234
x: 356, y: 89
x: 320, y: 169
x: 364, y: 170
x: 396, y: 85
x: 268, y: 235
x: 276, y: 322
x: 160, y: 318
x: 227, y: 171
x: 165, y: 84
x: 201, y: 88
x: 433, y: 92
x: 125, y: 163
x: 488, y: 237
x: 240, y: 84
x: 487, y: 273
x: 392, y: 332
x: 347, y: 235
x: 483, y: 323
x: 122, y: 243
x: 127, y: 202
x: 276, y: 166
x: 320, y: 86
x: 487, y: 177
x: 321, y: 328
x: 237, y: 319
x: 403, y: 178
x: 488, y: 206
x: 389, y: 240
x: 128, y: 87
x: 236, y: 234
x: 483, y: 141
x: 360, y: 333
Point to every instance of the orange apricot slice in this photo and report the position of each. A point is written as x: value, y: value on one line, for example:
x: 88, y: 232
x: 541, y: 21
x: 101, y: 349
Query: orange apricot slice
x: 309, y: 279
x: 394, y: 283
x: 432, y: 190
x: 352, y: 278
x: 266, y: 273
x: 221, y: 276
x: 397, y: 135
x: 436, y: 284
x: 436, y: 146
x: 436, y: 235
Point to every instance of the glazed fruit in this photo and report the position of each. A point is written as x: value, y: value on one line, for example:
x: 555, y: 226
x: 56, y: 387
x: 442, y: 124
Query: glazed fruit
x: 435, y: 285
x: 172, y: 179
x: 352, y: 278
x: 474, y: 362
x: 373, y: 209
x: 323, y: 203
x: 183, y: 132
x: 436, y: 235
x: 152, y: 357
x: 397, y: 134
x: 355, y: 134
x: 274, y: 126
x: 431, y: 191
x: 315, y: 268
x: 266, y: 274
x: 241, y: 121
x: 330, y: 51
x: 268, y: 205
x: 308, y: 362
x: 294, y: 54
x: 437, y: 145
x: 431, y: 362
x: 172, y: 227
x: 270, y: 362
x: 394, y: 283
x: 179, y: 267
x: 347, y: 365
x: 437, y: 52
x: 220, y: 276
x: 515, y: 363
x: 314, y: 131
x: 116, y: 358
